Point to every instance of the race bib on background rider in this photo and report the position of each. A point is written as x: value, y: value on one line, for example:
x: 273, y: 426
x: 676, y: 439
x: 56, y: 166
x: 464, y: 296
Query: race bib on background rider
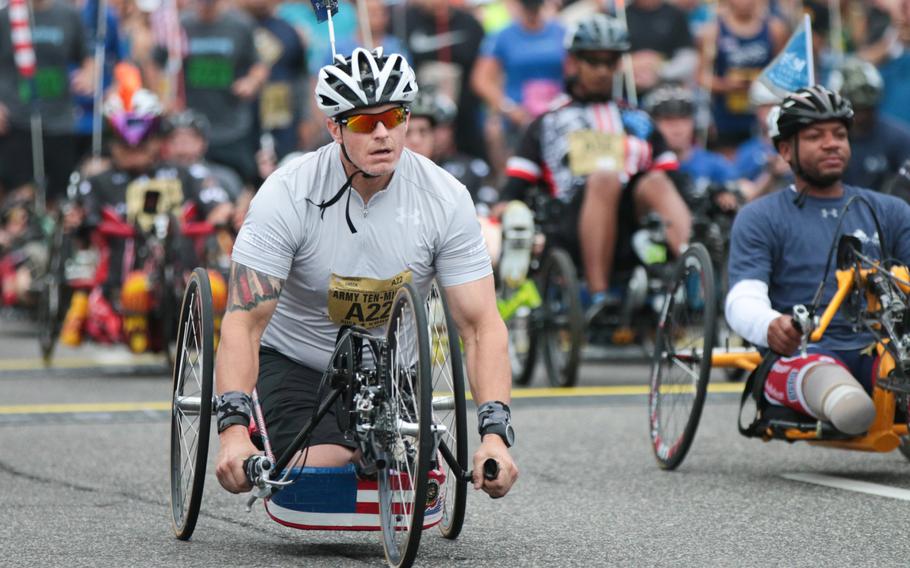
x: 366, y: 302
x: 591, y: 151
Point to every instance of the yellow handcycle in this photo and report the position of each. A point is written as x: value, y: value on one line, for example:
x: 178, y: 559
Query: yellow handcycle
x: 871, y: 294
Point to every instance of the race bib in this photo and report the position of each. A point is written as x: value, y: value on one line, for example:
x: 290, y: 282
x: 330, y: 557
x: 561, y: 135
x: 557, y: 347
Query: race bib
x: 366, y: 302
x: 738, y: 101
x: 591, y: 151
x: 148, y: 198
x: 275, y: 106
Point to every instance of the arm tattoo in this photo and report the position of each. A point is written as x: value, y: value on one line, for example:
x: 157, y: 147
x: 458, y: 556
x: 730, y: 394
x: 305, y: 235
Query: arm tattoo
x: 249, y: 288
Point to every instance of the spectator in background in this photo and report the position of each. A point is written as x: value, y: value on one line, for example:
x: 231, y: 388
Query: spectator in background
x: 284, y: 99
x: 879, y: 144
x: 743, y: 41
x: 518, y: 74
x: 662, y: 46
x: 60, y: 42
x: 895, y: 66
x: 520, y: 68
x: 222, y: 75
x: 444, y: 42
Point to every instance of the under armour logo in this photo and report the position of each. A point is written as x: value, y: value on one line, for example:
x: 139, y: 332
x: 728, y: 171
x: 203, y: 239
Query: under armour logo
x: 402, y: 216
x: 829, y: 213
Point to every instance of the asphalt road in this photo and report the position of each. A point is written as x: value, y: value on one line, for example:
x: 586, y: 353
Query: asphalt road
x: 84, y: 482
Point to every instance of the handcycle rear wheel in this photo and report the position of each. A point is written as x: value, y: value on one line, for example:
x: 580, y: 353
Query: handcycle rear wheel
x: 681, y: 364
x: 449, y: 408
x: 562, y: 325
x: 192, y: 403
x: 403, y: 479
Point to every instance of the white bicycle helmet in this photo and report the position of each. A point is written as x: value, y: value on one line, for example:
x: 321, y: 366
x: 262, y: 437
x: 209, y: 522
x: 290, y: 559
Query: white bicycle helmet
x: 366, y: 78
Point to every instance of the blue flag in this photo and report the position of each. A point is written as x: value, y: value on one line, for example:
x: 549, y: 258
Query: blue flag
x: 322, y: 7
x: 793, y: 68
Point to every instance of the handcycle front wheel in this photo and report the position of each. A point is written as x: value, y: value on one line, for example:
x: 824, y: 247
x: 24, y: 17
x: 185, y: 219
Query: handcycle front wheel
x: 408, y: 439
x: 192, y: 403
x: 449, y: 408
x: 681, y: 364
x: 562, y: 325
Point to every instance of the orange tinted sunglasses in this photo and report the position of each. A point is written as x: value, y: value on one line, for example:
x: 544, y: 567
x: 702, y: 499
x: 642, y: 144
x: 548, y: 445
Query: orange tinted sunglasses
x: 365, y: 123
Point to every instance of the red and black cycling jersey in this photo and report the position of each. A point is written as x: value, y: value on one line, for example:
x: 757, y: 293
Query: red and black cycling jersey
x: 117, y: 189
x: 564, y: 145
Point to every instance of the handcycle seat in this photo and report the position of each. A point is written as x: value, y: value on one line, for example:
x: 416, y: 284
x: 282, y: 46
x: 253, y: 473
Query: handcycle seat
x: 335, y: 499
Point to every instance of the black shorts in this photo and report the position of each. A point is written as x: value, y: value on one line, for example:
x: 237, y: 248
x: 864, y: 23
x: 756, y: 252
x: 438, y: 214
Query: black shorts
x: 288, y: 394
x: 563, y: 219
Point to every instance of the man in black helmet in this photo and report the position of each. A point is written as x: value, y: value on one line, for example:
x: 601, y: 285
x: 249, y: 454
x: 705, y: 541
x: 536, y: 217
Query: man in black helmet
x: 602, y: 160
x: 780, y: 253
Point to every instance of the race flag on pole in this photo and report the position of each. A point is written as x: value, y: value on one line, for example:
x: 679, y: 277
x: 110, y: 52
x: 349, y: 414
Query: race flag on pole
x: 322, y: 7
x: 794, y: 67
x: 23, y: 50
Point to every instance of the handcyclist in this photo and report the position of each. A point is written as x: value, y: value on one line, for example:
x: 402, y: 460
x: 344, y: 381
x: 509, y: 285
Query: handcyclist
x: 779, y: 250
x: 602, y: 159
x: 133, y: 118
x: 361, y: 213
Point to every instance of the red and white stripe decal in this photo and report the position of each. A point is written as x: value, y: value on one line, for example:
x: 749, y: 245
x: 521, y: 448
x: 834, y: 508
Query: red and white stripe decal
x: 522, y: 168
x: 21, y: 35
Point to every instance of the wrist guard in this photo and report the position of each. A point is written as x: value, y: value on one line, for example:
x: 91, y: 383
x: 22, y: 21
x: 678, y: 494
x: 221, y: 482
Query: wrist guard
x: 234, y: 407
x: 495, y: 417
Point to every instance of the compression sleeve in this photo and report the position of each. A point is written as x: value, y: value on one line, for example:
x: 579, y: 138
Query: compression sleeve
x: 462, y: 255
x: 272, y: 231
x: 749, y: 312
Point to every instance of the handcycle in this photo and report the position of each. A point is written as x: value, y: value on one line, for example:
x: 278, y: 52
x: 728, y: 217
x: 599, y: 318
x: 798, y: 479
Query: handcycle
x: 400, y: 397
x: 156, y: 230
x: 871, y: 294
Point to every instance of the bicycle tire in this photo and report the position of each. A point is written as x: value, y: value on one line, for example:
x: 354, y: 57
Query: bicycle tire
x: 563, y: 325
x: 195, y: 337
x: 51, y: 298
x: 407, y: 381
x: 449, y: 395
x: 690, y: 291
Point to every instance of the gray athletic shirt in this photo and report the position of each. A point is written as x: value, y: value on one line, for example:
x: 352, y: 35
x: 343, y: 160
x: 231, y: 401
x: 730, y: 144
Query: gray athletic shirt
x: 421, y: 226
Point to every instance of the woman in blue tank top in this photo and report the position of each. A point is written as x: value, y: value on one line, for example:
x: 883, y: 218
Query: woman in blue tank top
x: 746, y: 38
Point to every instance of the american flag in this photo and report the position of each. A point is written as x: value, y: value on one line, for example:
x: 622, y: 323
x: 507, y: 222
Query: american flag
x: 334, y: 499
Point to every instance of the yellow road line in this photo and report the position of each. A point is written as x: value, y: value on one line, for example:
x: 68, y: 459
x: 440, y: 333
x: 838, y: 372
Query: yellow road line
x: 80, y: 362
x: 89, y: 407
x: 571, y: 392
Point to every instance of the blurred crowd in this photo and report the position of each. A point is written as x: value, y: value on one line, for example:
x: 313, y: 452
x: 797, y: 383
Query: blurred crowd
x: 236, y: 77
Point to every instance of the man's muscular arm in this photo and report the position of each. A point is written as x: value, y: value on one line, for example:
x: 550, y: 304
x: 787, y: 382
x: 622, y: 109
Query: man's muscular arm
x: 252, y: 298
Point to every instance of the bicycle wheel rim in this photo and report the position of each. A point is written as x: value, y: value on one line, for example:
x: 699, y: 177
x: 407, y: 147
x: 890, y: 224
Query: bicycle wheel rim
x: 681, y: 365
x: 449, y: 409
x: 191, y: 407
x: 403, y: 478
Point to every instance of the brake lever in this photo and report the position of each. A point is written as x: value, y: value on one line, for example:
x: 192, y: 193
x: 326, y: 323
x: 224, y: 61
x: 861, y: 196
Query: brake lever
x: 803, y: 322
